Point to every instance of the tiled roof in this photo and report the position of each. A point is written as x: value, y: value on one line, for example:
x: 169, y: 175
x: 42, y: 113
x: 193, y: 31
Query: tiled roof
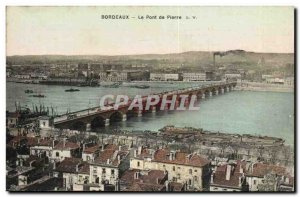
x: 174, y: 186
x: 30, y: 141
x: 67, y: 145
x: 68, y: 165
x: 219, y: 177
x: 112, y: 153
x: 181, y: 158
x: 151, y: 176
x: 45, y: 142
x: 145, y: 187
x: 261, y: 169
x: 92, y: 149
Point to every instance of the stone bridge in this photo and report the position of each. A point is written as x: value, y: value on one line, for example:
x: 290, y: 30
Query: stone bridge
x: 96, y: 117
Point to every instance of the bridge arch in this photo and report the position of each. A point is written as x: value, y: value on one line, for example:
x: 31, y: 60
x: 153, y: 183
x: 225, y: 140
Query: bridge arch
x: 214, y: 91
x: 207, y: 93
x: 220, y: 89
x: 97, y: 122
x: 78, y: 125
x: 117, y: 116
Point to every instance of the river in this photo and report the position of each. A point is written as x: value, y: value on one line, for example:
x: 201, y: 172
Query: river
x: 243, y: 112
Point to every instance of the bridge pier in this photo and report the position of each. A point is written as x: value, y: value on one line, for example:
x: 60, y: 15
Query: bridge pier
x: 153, y: 109
x: 222, y: 90
x: 124, y: 117
x: 217, y: 92
x: 210, y: 93
x: 140, y: 113
x: 203, y: 96
x: 106, y: 122
x: 88, y: 127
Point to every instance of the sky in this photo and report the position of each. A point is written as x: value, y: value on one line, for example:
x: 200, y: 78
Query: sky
x: 82, y: 31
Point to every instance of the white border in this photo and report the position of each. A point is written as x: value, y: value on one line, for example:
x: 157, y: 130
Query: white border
x: 4, y: 3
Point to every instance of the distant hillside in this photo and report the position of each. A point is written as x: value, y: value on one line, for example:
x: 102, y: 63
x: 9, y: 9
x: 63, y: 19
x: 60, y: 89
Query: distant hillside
x: 239, y: 58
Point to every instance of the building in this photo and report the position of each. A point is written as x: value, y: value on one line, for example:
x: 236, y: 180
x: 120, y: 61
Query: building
x: 90, y: 153
x: 268, y: 177
x: 74, y: 172
x: 194, y: 77
x: 229, y: 178
x: 113, y: 75
x: 43, y: 148
x: 164, y: 77
x: 275, y: 80
x: 184, y: 168
x: 106, y: 169
x: 65, y: 149
x: 233, y: 77
x: 143, y: 180
x: 12, y: 119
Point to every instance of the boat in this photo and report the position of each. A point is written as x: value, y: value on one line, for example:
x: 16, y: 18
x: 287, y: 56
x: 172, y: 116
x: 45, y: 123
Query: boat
x: 28, y: 91
x: 38, y: 95
x: 141, y: 86
x: 72, y: 90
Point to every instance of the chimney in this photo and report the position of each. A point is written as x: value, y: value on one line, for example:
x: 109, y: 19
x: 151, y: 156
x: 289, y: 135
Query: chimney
x: 134, y: 153
x: 187, y: 158
x: 53, y: 143
x: 64, y: 142
x: 83, y: 147
x: 102, y: 147
x: 136, y: 175
x: 21, y: 162
x: 30, y: 164
x: 139, y: 150
x: 39, y: 140
x: 240, y: 181
x: 108, y: 161
x: 77, y: 165
x: 54, y: 165
x: 241, y: 169
x: 228, y: 172
x: 119, y: 158
x: 167, y: 186
x: 171, y: 156
x: 212, y: 177
x: 157, y: 181
x: 120, y: 148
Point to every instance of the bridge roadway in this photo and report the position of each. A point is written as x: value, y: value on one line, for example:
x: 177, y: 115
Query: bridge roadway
x: 96, y: 117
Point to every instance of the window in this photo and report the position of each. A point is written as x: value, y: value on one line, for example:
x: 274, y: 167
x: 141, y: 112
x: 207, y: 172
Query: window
x: 112, y: 171
x: 103, y: 170
x: 254, y: 182
x: 190, y: 171
x: 190, y: 182
x: 173, y: 168
x: 87, y: 158
x: 57, y: 154
x: 44, y: 123
x: 138, y: 164
x: 195, y: 178
x: 195, y: 170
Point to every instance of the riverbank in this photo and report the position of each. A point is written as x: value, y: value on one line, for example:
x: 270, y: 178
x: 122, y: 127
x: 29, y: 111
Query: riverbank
x: 263, y: 87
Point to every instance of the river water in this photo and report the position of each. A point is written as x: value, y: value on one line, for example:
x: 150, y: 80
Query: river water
x: 243, y: 112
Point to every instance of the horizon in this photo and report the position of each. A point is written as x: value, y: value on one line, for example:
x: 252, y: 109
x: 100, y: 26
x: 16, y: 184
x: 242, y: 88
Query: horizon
x: 141, y: 54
